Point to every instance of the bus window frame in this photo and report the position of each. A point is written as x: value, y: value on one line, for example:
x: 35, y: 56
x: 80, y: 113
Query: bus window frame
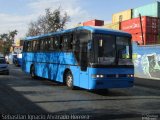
x: 58, y: 46
x: 46, y: 44
x: 25, y: 44
x: 29, y: 46
x: 51, y: 47
x: 41, y: 49
x: 34, y: 49
x: 37, y: 46
x: 67, y: 46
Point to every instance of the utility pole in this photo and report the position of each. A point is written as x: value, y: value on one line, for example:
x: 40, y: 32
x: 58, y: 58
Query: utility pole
x: 141, y: 28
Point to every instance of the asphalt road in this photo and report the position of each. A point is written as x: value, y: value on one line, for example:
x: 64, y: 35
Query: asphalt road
x: 19, y: 94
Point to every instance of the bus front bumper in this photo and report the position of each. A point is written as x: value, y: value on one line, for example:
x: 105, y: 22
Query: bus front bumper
x: 111, y: 83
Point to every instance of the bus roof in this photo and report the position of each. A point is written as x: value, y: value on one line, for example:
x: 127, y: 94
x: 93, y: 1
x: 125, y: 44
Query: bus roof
x: 98, y: 30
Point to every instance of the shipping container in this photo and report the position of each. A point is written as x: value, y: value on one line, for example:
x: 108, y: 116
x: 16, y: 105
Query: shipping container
x: 94, y: 23
x: 152, y: 10
x: 122, y: 16
x: 149, y: 25
x: 148, y: 38
x: 114, y: 26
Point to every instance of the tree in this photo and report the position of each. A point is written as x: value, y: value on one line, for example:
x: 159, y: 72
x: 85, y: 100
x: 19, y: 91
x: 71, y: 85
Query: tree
x: 7, y: 39
x: 52, y: 21
x: 33, y: 29
x: 12, y: 35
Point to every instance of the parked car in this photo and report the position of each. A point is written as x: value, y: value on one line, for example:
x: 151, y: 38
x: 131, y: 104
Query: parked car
x: 3, y: 66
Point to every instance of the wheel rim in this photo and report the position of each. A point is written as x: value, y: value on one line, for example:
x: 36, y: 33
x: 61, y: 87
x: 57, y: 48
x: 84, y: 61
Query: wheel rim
x: 69, y: 80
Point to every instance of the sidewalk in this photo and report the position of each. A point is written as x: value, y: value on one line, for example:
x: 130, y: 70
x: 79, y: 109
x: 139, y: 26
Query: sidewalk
x: 152, y: 83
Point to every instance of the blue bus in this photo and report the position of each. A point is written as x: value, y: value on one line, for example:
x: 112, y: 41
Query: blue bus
x: 86, y: 57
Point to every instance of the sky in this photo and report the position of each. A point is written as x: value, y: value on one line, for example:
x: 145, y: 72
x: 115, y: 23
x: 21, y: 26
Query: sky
x: 17, y: 14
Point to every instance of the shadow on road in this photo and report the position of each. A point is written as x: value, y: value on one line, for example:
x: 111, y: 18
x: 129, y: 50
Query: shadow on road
x: 13, y: 102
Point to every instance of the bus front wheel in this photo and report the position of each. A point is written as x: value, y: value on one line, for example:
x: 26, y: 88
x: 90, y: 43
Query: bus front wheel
x: 32, y: 72
x: 69, y: 80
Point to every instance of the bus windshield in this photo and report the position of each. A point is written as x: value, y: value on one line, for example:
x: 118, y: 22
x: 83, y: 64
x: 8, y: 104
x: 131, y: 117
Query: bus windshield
x: 112, y: 50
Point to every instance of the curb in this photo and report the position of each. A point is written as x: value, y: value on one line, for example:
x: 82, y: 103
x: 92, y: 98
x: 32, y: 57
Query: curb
x: 151, y: 83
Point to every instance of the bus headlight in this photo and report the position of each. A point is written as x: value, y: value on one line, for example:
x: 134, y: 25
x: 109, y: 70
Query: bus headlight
x: 130, y: 75
x: 97, y: 76
x: 101, y: 76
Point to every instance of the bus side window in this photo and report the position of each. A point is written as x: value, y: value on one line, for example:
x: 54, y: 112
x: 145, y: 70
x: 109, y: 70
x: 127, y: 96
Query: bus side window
x: 70, y: 45
x: 66, y: 42
x: 76, y: 45
x: 37, y: 45
x: 50, y: 44
x: 41, y: 44
x: 56, y: 43
x: 70, y: 42
x: 29, y: 48
x: 25, y: 45
x: 46, y: 45
x: 34, y: 45
x: 63, y: 42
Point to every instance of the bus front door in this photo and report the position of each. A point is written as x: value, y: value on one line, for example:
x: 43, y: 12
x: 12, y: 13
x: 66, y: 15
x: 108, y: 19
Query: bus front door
x: 83, y: 67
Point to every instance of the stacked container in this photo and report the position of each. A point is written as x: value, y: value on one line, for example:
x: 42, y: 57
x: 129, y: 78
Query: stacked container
x: 149, y: 29
x: 122, y: 16
x: 115, y: 26
x: 117, y: 18
x: 94, y: 23
x: 152, y: 10
x: 129, y: 21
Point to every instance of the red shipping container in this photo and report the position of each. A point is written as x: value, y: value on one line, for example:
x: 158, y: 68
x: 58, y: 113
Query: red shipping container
x: 94, y: 23
x: 149, y: 25
x: 148, y: 38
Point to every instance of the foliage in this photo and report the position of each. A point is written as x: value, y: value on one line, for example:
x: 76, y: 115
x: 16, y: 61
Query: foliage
x: 52, y: 21
x: 6, y: 40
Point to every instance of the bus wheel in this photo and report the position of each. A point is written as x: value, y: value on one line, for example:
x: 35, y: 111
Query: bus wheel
x: 69, y: 80
x: 32, y: 72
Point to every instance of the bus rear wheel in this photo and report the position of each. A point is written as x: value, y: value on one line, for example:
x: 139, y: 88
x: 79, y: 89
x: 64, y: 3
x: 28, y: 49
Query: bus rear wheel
x: 32, y: 72
x: 69, y: 80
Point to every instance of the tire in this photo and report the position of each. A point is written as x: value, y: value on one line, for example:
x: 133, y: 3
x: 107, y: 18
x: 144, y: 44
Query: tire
x: 32, y: 72
x: 69, y: 80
